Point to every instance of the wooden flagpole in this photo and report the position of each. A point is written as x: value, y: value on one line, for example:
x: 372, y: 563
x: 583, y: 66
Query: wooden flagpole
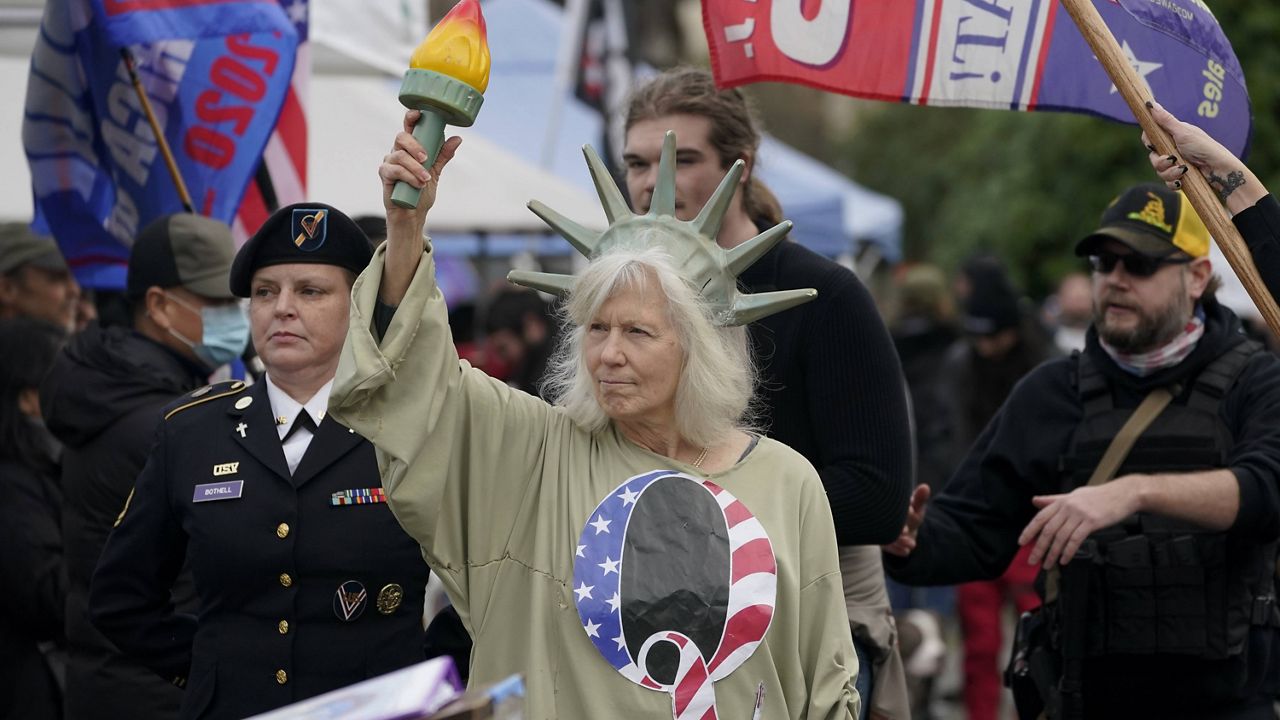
x: 158, y: 131
x: 1202, y: 196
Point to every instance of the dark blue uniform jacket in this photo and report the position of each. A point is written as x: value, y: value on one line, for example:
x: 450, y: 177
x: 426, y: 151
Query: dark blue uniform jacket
x: 268, y: 561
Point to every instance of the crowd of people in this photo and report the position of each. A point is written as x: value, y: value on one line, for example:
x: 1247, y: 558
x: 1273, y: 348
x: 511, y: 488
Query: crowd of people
x: 710, y: 475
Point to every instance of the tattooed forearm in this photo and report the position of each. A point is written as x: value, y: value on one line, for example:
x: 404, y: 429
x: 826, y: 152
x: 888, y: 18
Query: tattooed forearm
x: 1227, y: 185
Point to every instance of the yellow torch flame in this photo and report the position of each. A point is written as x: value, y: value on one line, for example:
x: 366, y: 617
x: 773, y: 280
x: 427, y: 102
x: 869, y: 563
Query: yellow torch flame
x: 457, y: 46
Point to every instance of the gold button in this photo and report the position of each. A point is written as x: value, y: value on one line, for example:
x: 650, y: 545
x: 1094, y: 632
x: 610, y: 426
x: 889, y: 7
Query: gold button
x: 282, y: 530
x: 285, y: 580
x: 282, y: 677
x: 283, y: 627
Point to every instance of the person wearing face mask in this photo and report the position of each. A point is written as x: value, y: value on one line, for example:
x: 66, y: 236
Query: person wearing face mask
x: 102, y: 400
x: 306, y: 581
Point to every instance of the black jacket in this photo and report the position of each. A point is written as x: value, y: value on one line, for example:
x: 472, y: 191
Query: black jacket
x: 976, y: 387
x: 31, y: 573
x: 268, y: 552
x: 922, y: 346
x: 971, y: 530
x: 831, y: 388
x: 1260, y: 227
x: 102, y: 400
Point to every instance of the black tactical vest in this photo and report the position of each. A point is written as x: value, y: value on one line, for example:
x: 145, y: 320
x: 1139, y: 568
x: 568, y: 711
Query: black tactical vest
x: 1159, y: 585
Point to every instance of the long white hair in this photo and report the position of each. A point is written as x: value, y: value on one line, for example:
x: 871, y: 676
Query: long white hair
x: 717, y: 377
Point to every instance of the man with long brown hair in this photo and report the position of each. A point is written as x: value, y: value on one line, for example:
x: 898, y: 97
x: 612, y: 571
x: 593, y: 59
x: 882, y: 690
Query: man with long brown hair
x: 830, y: 384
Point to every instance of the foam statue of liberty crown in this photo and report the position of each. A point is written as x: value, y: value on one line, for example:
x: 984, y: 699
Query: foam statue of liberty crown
x: 692, y: 244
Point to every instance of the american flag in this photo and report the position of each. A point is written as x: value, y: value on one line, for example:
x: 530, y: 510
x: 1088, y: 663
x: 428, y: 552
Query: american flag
x: 285, y: 157
x: 597, y: 583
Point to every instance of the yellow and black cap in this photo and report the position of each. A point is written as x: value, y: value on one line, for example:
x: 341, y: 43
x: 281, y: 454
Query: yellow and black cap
x: 1151, y: 220
x: 301, y: 233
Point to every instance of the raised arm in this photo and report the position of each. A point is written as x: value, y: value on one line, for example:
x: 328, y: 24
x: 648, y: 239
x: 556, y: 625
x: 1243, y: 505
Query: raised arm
x: 1237, y: 186
x: 1254, y: 211
x: 404, y: 227
x: 459, y: 452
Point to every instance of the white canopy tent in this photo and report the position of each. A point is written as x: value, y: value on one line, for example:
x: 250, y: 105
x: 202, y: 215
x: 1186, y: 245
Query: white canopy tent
x: 19, y: 20
x: 352, y: 119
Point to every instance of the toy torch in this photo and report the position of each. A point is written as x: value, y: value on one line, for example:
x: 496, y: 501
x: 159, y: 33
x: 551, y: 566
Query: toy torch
x: 446, y: 80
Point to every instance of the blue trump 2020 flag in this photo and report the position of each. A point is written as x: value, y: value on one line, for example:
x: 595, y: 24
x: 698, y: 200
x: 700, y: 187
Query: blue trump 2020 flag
x: 215, y: 72
x: 1002, y: 54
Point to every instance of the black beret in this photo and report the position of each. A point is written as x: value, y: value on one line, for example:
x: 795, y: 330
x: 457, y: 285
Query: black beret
x: 301, y: 233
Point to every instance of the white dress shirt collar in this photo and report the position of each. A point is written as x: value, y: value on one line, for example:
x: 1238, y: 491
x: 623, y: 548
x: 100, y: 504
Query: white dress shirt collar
x: 285, y: 409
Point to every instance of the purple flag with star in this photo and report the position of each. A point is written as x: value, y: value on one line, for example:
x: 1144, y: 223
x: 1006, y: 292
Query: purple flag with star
x: 1000, y: 54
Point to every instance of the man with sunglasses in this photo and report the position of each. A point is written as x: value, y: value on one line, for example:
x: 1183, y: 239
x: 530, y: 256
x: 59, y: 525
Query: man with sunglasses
x: 1161, y: 601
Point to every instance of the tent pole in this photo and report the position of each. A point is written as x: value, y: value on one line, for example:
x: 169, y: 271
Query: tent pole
x: 572, y: 37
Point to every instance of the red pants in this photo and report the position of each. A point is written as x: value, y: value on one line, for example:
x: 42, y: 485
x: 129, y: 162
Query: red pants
x: 981, y: 609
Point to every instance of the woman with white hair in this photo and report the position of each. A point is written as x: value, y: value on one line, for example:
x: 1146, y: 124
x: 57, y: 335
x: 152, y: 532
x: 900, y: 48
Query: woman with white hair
x: 632, y: 548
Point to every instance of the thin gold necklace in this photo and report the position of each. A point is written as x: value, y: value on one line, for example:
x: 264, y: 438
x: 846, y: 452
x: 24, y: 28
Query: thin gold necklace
x: 701, y: 456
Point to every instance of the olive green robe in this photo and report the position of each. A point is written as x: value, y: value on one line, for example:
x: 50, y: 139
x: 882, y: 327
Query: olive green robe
x: 498, y: 486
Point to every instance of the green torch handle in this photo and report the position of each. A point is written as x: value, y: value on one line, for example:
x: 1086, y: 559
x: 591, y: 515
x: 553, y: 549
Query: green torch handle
x: 430, y: 132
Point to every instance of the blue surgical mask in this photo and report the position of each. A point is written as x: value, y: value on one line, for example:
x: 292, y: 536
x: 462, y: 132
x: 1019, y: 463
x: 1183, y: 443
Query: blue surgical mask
x: 226, y: 333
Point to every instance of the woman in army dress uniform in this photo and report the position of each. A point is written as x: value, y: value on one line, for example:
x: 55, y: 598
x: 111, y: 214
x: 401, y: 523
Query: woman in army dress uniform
x: 306, y: 581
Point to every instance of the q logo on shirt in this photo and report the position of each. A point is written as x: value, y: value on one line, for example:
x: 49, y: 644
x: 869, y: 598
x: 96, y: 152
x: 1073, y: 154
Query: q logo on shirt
x: 675, y: 582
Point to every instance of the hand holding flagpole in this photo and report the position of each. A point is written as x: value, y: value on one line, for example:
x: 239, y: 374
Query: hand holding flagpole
x: 1195, y: 185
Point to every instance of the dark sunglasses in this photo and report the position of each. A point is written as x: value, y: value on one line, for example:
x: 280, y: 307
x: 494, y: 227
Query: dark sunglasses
x: 1134, y: 264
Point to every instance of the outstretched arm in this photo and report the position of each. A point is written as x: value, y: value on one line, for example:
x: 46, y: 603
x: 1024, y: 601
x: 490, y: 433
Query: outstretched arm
x: 1210, y: 499
x: 970, y: 530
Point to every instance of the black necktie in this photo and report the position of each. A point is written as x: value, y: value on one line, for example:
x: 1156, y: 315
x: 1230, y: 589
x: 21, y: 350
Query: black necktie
x: 302, y: 421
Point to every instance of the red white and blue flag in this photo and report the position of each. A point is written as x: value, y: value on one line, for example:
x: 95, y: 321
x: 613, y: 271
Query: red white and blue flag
x: 97, y: 173
x: 675, y: 582
x: 1000, y: 54
x: 282, y: 178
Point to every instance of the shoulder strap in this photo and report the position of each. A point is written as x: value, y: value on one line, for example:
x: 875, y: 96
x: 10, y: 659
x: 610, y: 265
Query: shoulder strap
x: 1217, y: 377
x: 1152, y: 405
x: 204, y: 395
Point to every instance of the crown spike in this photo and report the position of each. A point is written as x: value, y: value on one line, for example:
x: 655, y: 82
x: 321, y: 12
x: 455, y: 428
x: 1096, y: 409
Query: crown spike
x: 743, y: 256
x: 713, y: 269
x: 712, y: 214
x: 615, y: 206
x: 664, y: 191
x: 749, y: 308
x: 553, y: 283
x: 582, y: 239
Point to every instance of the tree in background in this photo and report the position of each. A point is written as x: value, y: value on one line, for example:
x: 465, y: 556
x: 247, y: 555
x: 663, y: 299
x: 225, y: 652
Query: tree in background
x: 1027, y: 185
